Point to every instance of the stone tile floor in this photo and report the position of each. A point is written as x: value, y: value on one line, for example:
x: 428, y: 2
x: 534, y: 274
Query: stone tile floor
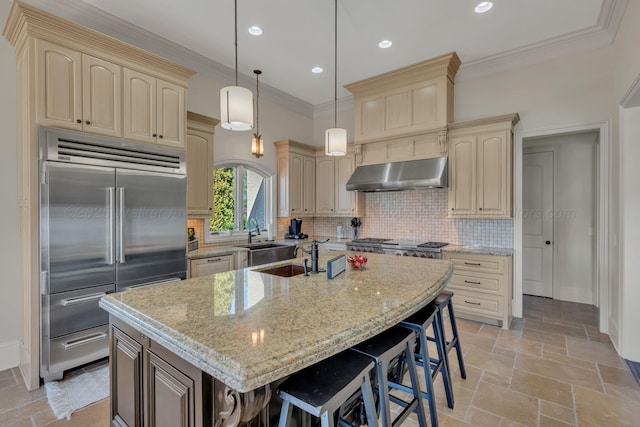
x: 551, y: 368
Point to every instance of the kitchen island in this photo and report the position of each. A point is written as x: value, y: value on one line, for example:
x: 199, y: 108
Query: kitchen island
x: 240, y: 331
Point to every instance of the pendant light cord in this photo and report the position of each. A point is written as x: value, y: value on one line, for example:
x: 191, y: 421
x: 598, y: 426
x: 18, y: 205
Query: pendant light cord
x: 258, y: 72
x: 335, y: 65
x: 235, y: 15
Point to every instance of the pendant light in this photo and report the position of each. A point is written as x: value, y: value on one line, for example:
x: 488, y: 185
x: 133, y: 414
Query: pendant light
x: 335, y: 142
x: 257, y: 145
x: 236, y: 103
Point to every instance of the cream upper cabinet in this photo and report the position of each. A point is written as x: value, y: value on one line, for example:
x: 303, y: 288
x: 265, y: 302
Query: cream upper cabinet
x: 332, y: 197
x: 200, y: 131
x: 480, y: 168
x: 78, y: 91
x: 153, y: 110
x: 296, y: 179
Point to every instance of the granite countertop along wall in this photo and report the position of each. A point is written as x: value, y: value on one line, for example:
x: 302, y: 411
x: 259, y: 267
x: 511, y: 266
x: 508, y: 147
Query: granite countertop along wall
x: 247, y: 328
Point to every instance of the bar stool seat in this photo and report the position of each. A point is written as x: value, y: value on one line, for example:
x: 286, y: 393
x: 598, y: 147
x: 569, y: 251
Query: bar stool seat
x: 445, y: 300
x: 419, y: 322
x: 322, y: 388
x: 395, y: 344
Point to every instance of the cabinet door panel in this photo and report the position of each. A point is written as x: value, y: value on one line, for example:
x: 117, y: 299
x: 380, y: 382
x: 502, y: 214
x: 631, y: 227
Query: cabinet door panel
x: 207, y: 266
x: 59, y: 86
x: 126, y: 383
x: 171, y: 395
x: 309, y: 182
x: 345, y: 200
x: 398, y: 110
x: 296, y: 165
x: 199, y: 173
x: 463, y: 171
x: 324, y: 185
x: 101, y: 96
x: 139, y: 107
x: 372, y: 118
x: 492, y: 174
x: 170, y: 114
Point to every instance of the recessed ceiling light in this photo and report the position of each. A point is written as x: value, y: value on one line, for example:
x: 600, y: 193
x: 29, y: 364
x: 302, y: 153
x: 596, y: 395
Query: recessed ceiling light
x: 484, y: 6
x: 255, y: 31
x: 317, y: 70
x: 384, y: 44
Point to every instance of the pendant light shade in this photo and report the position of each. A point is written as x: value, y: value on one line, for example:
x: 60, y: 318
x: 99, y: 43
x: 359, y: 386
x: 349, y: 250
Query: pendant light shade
x: 335, y: 140
x: 236, y: 103
x: 236, y: 108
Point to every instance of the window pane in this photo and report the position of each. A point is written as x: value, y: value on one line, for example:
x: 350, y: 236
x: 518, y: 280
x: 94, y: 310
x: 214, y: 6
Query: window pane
x: 223, y: 200
x: 254, y: 199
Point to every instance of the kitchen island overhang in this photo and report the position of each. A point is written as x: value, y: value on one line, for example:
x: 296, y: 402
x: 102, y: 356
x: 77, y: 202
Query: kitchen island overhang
x: 248, y: 329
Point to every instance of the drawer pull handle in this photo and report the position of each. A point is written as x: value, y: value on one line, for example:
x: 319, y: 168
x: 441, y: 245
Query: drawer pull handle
x: 84, y: 340
x: 477, y: 264
x: 80, y: 300
x: 471, y: 302
x: 159, y: 282
x: 472, y: 283
x: 214, y: 259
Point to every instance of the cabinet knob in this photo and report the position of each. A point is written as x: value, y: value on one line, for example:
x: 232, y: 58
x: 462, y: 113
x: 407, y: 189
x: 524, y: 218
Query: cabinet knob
x: 479, y: 209
x: 453, y: 209
x: 88, y: 122
x: 155, y: 134
x: 548, y: 242
x: 78, y: 121
x: 160, y: 136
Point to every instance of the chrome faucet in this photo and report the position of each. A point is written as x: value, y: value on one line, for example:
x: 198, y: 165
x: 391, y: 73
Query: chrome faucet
x: 250, y: 233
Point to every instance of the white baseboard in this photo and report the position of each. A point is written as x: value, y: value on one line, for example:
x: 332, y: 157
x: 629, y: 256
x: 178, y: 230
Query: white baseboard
x: 9, y: 355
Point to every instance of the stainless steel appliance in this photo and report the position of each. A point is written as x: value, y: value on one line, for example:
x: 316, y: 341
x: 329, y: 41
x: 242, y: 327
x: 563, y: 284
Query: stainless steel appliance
x: 112, y: 217
x: 398, y: 247
x: 396, y: 176
x: 295, y: 230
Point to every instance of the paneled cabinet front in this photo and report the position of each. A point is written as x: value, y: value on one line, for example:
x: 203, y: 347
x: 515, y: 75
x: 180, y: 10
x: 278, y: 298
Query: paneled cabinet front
x: 151, y: 387
x: 332, y: 197
x: 480, y: 168
x: 154, y: 110
x: 200, y: 132
x: 296, y: 179
x: 78, y: 91
x: 206, y: 266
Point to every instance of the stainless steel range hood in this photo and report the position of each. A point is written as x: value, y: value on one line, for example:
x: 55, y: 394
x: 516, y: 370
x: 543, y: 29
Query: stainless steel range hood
x: 396, y: 176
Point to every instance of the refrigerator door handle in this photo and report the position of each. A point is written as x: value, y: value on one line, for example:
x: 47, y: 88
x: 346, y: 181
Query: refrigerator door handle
x: 83, y: 299
x: 121, y: 259
x: 110, y: 219
x: 84, y: 340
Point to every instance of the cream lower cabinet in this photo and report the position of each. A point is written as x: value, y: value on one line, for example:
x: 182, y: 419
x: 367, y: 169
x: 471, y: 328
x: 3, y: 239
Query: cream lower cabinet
x: 77, y: 91
x: 332, y: 197
x: 206, y: 266
x: 200, y: 130
x: 480, y: 168
x: 154, y: 110
x: 296, y: 179
x: 482, y: 287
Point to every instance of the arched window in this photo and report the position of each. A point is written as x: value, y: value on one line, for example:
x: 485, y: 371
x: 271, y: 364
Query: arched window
x: 241, y: 199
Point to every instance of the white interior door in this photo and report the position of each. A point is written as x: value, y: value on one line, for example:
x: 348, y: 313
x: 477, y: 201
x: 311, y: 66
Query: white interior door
x: 537, y: 224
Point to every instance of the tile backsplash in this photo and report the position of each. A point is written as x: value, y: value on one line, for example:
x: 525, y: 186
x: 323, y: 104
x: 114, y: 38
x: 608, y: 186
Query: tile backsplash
x: 422, y: 215
x: 412, y: 215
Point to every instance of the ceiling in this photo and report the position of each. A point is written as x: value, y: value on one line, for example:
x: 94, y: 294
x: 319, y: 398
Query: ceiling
x: 298, y: 35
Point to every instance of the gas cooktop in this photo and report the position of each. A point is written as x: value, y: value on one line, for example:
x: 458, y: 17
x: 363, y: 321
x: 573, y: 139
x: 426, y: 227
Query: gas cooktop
x: 369, y: 240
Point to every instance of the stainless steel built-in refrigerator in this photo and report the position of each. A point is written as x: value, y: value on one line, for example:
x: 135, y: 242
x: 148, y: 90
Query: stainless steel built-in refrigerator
x: 112, y: 217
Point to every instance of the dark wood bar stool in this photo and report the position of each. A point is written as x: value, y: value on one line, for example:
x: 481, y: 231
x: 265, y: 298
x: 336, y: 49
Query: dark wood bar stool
x: 444, y: 301
x: 322, y: 388
x: 395, y: 345
x: 420, y: 322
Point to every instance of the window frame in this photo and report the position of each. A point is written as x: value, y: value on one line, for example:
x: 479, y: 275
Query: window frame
x: 269, y: 194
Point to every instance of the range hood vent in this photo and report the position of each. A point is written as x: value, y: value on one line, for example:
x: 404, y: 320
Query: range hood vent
x: 397, y: 176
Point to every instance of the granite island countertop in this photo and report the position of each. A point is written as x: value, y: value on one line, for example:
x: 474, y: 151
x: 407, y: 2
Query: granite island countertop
x: 247, y: 328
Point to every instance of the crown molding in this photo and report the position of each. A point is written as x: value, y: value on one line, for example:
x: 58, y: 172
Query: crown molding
x: 326, y: 108
x: 600, y: 35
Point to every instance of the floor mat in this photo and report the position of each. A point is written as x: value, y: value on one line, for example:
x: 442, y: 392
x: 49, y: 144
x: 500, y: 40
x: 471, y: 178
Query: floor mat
x: 71, y: 394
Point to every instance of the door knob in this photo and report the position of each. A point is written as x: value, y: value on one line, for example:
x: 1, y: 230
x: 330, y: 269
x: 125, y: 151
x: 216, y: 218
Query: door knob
x: 548, y: 242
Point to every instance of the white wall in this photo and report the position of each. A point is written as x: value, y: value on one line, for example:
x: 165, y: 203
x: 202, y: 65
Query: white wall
x: 9, y: 295
x: 575, y: 219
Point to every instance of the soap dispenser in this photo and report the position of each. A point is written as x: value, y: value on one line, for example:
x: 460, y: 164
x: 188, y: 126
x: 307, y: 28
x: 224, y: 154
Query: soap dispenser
x: 339, y: 231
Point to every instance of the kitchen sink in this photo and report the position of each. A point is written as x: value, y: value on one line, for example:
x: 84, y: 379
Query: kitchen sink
x: 265, y: 253
x: 288, y: 270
